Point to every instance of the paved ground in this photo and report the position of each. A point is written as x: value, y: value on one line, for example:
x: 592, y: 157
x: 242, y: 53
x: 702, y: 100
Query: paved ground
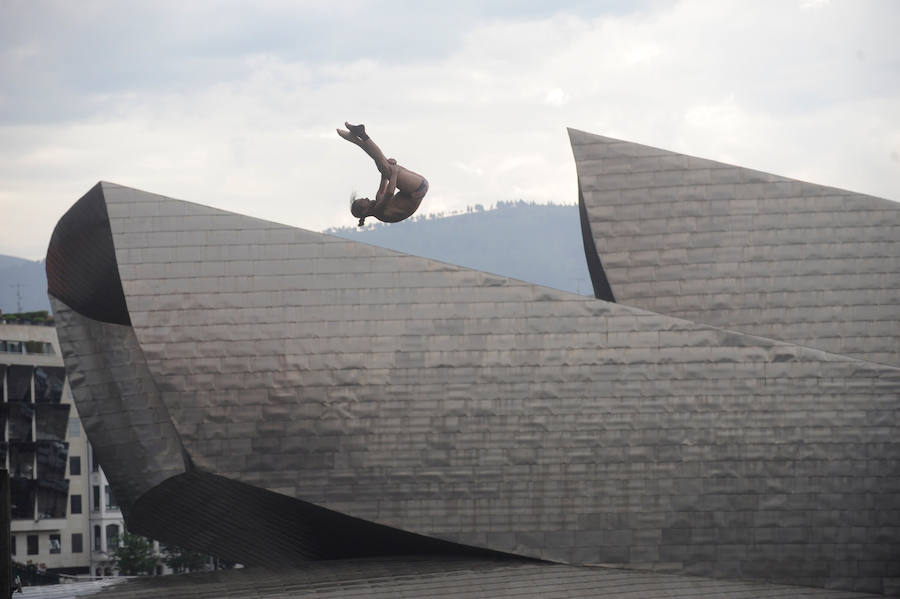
x: 68, y: 590
x: 393, y: 578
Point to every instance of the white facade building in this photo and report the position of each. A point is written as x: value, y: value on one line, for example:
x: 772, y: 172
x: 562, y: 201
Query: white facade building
x: 64, y: 517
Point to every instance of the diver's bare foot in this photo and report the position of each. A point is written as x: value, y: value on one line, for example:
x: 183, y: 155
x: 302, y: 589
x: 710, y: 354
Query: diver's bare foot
x: 357, y: 130
x: 347, y: 135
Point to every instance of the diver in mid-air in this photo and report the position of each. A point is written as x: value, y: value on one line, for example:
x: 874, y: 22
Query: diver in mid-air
x: 388, y: 207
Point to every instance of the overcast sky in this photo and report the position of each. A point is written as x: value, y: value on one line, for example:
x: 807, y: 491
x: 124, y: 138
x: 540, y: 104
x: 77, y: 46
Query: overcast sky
x: 234, y: 104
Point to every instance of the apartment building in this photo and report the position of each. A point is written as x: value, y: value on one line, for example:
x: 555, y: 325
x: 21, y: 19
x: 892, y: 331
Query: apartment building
x: 64, y: 517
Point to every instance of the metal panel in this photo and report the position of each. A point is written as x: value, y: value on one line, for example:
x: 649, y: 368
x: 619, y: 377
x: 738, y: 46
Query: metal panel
x: 749, y: 250
x: 476, y: 409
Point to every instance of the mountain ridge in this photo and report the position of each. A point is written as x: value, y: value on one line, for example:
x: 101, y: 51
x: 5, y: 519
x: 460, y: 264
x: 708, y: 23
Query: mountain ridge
x: 23, y: 285
x: 537, y: 243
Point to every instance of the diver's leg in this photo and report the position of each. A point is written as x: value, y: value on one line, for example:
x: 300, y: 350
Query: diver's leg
x: 357, y: 130
x: 349, y: 137
x: 357, y: 134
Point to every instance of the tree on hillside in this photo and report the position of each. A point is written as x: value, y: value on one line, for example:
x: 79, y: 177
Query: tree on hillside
x: 134, y: 555
x: 185, y: 560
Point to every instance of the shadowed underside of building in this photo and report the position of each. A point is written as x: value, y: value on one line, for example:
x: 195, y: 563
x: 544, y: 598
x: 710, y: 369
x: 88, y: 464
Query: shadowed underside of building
x: 270, y: 395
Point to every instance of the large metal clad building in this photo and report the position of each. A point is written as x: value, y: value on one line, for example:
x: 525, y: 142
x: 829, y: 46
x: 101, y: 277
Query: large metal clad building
x: 272, y: 394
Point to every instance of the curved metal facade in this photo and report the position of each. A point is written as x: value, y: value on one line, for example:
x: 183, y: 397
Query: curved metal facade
x: 742, y: 249
x: 277, y: 378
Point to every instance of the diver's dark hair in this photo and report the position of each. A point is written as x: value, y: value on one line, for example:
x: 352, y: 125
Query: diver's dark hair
x: 356, y: 211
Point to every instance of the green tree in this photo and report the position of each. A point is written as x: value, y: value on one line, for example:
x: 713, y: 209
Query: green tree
x: 134, y: 555
x: 185, y: 560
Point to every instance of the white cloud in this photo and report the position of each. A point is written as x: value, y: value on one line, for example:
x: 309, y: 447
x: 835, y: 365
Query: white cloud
x: 470, y: 169
x: 557, y: 97
x: 484, y: 120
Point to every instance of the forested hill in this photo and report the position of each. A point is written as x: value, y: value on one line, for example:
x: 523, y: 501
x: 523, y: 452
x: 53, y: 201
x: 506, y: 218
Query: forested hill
x: 23, y: 285
x: 535, y: 243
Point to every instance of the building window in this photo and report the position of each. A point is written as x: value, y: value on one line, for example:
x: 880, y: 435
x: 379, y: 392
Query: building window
x: 13, y: 347
x: 74, y: 465
x: 112, y: 537
x: 55, y: 544
x: 96, y: 506
x: 110, y: 500
x: 37, y: 347
x: 77, y: 542
x: 12, y: 544
x: 76, y: 503
x: 95, y: 467
x: 74, y: 427
x: 48, y: 384
x: 32, y: 544
x: 97, y: 540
